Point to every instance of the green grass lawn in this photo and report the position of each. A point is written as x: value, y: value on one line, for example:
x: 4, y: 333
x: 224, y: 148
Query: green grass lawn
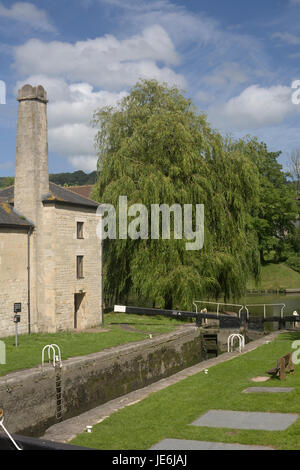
x: 155, y: 324
x: 169, y: 412
x: 29, y: 351
x: 277, y: 276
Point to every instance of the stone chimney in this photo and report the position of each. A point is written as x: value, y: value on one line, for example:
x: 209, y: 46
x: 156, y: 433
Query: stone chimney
x: 32, y: 177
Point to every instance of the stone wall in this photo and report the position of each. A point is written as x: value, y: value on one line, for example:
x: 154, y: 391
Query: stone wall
x: 67, y: 248
x: 53, y: 279
x: 13, y: 278
x: 29, y: 397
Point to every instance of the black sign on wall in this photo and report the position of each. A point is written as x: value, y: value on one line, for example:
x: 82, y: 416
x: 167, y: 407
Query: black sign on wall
x: 17, y: 307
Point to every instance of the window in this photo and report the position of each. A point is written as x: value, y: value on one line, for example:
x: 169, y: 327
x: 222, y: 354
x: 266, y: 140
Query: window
x: 79, y: 229
x: 79, y: 267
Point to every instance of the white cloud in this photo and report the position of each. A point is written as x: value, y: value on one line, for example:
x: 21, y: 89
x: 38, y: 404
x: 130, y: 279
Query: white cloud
x: 199, y: 37
x: 229, y: 73
x: 176, y: 19
x: 105, y: 62
x: 69, y: 137
x: 27, y: 13
x: 75, y: 141
x: 217, y: 60
x: 86, y: 163
x: 74, y: 103
x: 86, y: 75
x: 81, y: 104
x: 204, y: 97
x: 254, y: 108
x: 70, y: 111
x: 289, y: 38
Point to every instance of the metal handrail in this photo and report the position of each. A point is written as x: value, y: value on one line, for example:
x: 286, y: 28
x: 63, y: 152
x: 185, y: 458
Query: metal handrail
x: 242, y: 307
x: 268, y: 305
x: 231, y: 339
x: 218, y: 305
x: 6, y: 431
x: 56, y: 357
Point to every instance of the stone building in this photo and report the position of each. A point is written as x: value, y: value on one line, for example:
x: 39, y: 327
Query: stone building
x: 50, y: 255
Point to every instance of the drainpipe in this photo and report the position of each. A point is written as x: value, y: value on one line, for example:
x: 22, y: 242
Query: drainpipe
x: 28, y: 277
x: 101, y: 278
x: 100, y: 213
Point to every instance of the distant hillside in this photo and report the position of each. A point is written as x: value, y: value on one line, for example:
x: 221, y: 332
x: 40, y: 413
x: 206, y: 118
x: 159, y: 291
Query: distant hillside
x: 77, y: 178
x: 276, y: 276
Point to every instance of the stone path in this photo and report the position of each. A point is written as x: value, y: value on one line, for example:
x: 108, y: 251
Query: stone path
x: 246, y: 420
x: 269, y: 390
x: 70, y: 428
x: 178, y: 444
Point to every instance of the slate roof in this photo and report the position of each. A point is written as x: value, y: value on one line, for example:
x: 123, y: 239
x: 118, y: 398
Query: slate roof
x: 57, y: 194
x: 84, y: 191
x: 10, y: 218
x: 7, y: 194
x: 65, y: 196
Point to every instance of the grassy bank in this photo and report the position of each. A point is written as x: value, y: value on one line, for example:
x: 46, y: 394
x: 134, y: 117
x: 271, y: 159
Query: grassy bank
x: 276, y: 276
x: 169, y: 412
x: 28, y: 353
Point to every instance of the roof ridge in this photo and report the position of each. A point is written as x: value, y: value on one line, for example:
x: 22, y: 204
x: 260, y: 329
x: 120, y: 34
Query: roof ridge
x: 57, y: 193
x: 63, y: 188
x: 80, y: 195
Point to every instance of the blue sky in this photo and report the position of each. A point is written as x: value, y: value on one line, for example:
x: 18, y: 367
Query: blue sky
x: 235, y: 59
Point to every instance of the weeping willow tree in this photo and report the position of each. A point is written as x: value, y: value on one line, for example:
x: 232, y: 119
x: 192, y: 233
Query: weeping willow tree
x: 155, y: 148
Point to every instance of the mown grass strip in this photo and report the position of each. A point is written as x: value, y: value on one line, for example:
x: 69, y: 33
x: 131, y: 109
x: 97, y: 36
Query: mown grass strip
x: 170, y: 412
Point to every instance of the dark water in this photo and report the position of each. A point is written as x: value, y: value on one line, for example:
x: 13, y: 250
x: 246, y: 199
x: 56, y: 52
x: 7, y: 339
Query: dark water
x: 291, y: 301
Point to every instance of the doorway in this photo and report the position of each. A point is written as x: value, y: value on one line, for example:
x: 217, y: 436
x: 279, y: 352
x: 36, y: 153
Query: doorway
x: 78, y: 310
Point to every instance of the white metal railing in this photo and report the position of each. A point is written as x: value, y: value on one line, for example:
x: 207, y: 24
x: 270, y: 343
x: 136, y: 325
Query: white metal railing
x: 231, y: 339
x: 195, y: 302
x: 6, y: 431
x: 56, y: 354
x: 242, y: 307
x: 267, y: 305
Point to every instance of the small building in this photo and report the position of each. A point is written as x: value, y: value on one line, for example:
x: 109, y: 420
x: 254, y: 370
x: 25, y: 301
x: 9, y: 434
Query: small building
x: 50, y: 255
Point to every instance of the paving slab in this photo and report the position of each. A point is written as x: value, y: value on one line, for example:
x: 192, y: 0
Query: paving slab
x: 260, y: 379
x: 179, y: 444
x: 269, y: 390
x: 246, y: 420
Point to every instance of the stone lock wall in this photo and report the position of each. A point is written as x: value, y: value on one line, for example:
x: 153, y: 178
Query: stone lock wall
x: 29, y: 397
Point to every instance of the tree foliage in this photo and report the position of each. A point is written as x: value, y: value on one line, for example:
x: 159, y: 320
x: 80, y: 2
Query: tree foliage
x: 154, y: 148
x: 277, y: 208
x: 77, y: 178
x: 294, y: 167
x: 6, y: 181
